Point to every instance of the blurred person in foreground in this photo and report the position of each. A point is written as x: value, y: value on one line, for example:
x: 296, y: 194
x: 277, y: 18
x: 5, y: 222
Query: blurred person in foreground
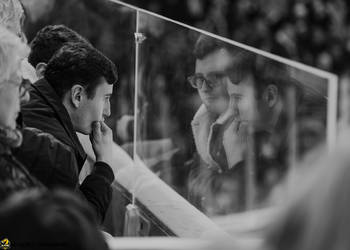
x: 316, y: 216
x: 53, y: 156
x: 74, y: 97
x: 13, y: 175
x: 12, y: 17
x: 42, y: 220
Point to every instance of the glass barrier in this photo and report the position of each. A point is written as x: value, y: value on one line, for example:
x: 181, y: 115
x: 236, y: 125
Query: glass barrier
x: 219, y: 122
x: 123, y: 54
x: 116, y: 41
x: 222, y: 123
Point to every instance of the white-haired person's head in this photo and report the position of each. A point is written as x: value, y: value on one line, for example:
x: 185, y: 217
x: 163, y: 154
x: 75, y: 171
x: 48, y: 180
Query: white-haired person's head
x: 12, y: 16
x: 12, y: 52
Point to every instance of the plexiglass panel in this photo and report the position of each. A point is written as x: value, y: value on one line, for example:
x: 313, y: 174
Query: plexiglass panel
x: 221, y: 124
x: 122, y: 51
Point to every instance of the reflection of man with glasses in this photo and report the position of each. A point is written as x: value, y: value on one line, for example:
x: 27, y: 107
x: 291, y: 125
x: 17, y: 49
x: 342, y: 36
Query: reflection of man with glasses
x: 238, y: 90
x: 214, y: 128
x: 212, y: 119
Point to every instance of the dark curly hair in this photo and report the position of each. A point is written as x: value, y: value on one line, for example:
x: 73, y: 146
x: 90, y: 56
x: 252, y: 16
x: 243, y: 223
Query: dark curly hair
x: 79, y: 63
x: 50, y: 39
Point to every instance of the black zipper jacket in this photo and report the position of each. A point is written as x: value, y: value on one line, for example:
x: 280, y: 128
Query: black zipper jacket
x: 46, y: 112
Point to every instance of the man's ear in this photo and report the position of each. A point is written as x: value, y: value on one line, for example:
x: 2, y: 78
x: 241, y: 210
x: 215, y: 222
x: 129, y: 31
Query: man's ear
x: 270, y: 95
x: 76, y: 95
x: 40, y: 69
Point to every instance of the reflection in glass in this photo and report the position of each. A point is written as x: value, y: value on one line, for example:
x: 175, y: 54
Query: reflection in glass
x: 218, y: 123
x: 221, y: 124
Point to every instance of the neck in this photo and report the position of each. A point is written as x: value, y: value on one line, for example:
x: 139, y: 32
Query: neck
x: 70, y: 111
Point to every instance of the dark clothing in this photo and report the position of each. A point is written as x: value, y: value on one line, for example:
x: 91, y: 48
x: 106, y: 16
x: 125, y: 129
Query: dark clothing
x: 46, y: 112
x: 14, y: 176
x: 48, y: 159
x: 269, y: 160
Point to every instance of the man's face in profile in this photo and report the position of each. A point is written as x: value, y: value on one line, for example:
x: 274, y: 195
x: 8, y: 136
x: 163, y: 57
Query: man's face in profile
x: 95, y: 108
x: 211, y: 81
x: 243, y: 98
x: 254, y: 108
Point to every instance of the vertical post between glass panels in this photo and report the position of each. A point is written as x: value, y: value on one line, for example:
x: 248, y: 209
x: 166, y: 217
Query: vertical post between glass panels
x: 332, y: 114
x: 136, y: 96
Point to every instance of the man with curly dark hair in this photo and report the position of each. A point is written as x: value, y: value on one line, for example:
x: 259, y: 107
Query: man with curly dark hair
x: 74, y: 97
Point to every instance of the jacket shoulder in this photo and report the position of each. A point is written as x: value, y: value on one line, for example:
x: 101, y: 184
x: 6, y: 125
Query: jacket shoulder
x: 51, y: 161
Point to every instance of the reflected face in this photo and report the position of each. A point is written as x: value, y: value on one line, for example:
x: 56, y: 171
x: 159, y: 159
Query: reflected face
x: 212, y: 67
x: 94, y: 109
x: 10, y: 102
x: 243, y: 98
x: 252, y: 110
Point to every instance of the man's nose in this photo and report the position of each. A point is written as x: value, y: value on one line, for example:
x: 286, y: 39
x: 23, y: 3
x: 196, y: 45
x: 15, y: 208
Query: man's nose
x: 107, y: 110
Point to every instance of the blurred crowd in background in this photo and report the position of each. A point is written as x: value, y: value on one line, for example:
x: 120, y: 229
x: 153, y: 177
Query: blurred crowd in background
x: 314, y: 32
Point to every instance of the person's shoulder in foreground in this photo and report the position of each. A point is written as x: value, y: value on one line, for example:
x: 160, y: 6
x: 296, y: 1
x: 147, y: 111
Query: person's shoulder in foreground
x: 43, y: 220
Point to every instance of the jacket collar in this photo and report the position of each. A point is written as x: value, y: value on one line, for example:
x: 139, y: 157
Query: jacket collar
x: 201, y: 127
x: 208, y: 131
x: 51, y: 98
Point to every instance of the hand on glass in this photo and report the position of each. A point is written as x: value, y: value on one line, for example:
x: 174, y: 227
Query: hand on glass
x: 231, y: 113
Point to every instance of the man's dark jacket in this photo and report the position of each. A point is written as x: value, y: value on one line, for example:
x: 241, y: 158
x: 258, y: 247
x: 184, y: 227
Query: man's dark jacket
x: 46, y: 112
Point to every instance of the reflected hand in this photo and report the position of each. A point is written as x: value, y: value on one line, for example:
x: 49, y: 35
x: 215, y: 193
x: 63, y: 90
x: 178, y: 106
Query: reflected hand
x: 102, y: 142
x: 124, y: 127
x: 231, y: 113
x: 235, y: 142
